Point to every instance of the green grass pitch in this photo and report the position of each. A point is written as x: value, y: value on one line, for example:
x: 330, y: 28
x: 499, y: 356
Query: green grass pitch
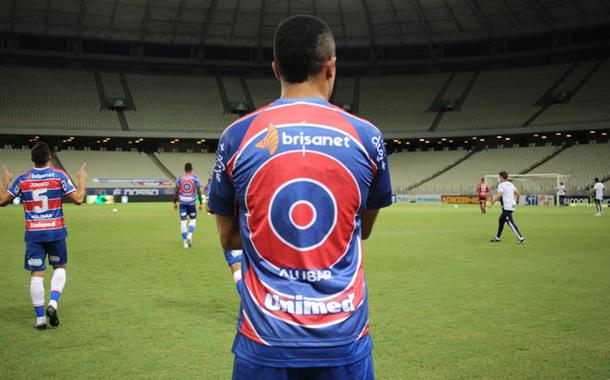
x: 444, y: 302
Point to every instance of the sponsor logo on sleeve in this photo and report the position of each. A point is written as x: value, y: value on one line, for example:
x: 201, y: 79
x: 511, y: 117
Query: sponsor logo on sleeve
x: 378, y: 144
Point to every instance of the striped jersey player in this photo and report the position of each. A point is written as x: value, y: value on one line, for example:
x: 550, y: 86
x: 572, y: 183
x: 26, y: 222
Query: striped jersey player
x: 297, y: 185
x: 188, y: 188
x: 41, y: 190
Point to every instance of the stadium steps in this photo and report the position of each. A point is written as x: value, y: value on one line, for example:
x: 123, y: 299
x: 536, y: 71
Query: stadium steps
x: 56, y: 161
x: 131, y: 105
x: 460, y: 101
x: 557, y: 151
x: 101, y: 92
x: 468, y: 89
x: 469, y: 154
x: 247, y: 94
x: 546, y: 100
x: 122, y: 120
x: 437, y: 99
x: 223, y: 95
x: 155, y: 159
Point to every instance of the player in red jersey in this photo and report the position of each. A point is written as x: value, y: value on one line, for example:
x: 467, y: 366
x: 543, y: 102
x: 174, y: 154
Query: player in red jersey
x: 482, y: 191
x: 41, y: 190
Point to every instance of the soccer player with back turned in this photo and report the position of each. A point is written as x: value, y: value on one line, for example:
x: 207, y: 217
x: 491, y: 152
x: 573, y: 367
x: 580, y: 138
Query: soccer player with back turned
x: 188, y: 188
x: 508, y: 195
x: 482, y: 191
x: 41, y: 190
x: 299, y: 184
x: 598, y: 194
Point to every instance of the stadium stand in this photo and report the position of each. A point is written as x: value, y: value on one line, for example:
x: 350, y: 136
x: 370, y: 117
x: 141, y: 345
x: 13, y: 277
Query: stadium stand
x: 408, y: 168
x: 264, y: 91
x: 343, y: 92
x: 203, y: 163
x: 589, y: 104
x: 112, y: 85
x: 399, y: 103
x: 173, y: 103
x: 463, y: 178
x: 16, y: 160
x: 110, y: 164
x: 503, y: 98
x: 583, y: 162
x: 56, y: 99
x: 233, y: 89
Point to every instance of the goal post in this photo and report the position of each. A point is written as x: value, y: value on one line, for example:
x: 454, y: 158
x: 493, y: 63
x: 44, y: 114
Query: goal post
x: 534, y: 184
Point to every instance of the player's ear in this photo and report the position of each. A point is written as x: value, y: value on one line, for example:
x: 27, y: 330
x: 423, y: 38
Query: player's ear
x: 276, y: 71
x: 330, y: 68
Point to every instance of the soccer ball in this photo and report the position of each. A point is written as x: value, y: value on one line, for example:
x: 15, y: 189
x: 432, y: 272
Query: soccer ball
x: 115, y: 210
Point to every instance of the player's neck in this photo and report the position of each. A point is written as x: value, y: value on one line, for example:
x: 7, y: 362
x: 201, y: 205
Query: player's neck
x: 47, y: 165
x: 307, y: 89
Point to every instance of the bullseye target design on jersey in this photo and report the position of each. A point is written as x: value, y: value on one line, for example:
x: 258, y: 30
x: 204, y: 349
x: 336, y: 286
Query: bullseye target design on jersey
x: 187, y: 186
x: 308, y: 221
x: 295, y: 220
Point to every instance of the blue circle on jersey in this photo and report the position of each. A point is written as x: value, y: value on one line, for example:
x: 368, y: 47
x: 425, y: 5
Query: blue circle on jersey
x: 302, y: 213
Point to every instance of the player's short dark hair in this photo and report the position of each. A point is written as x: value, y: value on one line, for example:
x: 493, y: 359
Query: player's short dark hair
x: 301, y: 46
x: 482, y: 179
x: 596, y: 179
x: 503, y: 174
x: 188, y: 167
x: 41, y: 153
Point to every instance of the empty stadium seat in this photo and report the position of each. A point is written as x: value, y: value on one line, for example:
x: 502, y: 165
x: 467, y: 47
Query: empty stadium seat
x: 55, y: 99
x: 463, y: 178
x: 203, y: 163
x: 111, y: 164
x: 173, y: 103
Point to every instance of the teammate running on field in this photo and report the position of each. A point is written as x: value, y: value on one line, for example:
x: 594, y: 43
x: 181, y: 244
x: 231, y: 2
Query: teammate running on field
x: 41, y: 190
x: 598, y: 193
x: 299, y: 184
x: 482, y: 191
x: 188, y: 188
x: 508, y: 195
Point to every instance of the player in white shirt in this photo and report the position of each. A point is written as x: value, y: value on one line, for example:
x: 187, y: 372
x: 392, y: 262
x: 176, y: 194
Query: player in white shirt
x: 508, y: 195
x: 598, y: 190
x: 561, y: 194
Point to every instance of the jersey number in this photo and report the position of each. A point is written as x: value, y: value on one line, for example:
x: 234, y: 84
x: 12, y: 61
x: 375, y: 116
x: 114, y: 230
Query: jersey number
x: 39, y: 196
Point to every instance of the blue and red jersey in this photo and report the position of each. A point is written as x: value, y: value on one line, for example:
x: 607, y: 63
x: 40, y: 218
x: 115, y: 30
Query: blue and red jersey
x: 187, y: 185
x: 302, y: 172
x: 41, y: 191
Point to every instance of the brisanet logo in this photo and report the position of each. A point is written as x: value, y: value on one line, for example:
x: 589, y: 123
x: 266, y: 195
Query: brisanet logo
x: 302, y: 139
x: 272, y: 139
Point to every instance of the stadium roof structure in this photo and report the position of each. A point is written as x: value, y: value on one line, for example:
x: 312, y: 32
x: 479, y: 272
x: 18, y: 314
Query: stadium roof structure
x: 250, y: 23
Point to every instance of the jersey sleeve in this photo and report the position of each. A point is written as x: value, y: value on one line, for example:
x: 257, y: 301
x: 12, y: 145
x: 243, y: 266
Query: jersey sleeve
x: 66, y: 184
x: 380, y: 193
x: 197, y: 182
x: 14, y: 189
x: 222, y: 192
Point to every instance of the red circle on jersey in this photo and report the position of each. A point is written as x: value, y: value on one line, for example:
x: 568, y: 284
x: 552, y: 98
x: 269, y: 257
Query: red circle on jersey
x: 302, y: 214
x: 325, y: 218
x: 187, y: 186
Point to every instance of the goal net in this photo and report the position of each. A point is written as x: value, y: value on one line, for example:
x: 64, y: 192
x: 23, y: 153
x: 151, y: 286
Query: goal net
x: 533, y: 184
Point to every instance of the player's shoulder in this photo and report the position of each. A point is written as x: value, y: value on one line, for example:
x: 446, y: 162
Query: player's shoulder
x: 357, y: 121
x: 59, y: 172
x: 26, y: 174
x: 238, y: 127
